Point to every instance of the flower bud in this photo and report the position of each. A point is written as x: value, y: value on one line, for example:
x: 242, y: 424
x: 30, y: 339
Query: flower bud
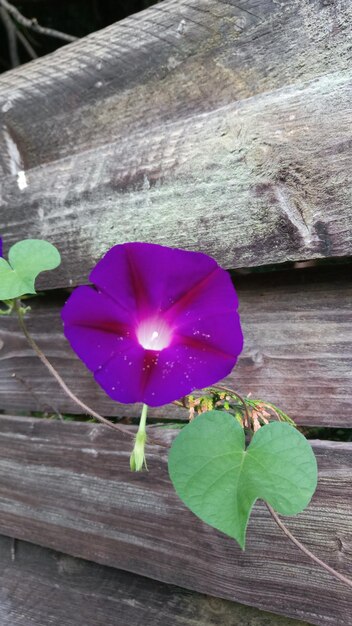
x: 137, y: 458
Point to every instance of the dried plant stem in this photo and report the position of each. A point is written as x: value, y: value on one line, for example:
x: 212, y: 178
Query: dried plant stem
x: 242, y: 400
x: 25, y: 43
x: 33, y: 24
x: 11, y: 36
x: 305, y: 550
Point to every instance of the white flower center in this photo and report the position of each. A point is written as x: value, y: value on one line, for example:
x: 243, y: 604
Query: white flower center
x: 154, y: 334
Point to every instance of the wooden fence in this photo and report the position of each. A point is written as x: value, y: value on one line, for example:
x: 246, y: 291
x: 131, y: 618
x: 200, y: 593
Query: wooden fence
x: 209, y: 125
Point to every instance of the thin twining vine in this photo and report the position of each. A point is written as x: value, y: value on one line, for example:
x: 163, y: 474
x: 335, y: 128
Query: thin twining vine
x: 209, y: 443
x: 230, y: 394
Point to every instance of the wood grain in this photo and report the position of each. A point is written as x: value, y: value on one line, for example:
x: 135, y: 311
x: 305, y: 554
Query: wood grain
x: 68, y: 487
x: 297, y: 354
x: 176, y: 126
x: 165, y: 63
x: 212, y: 126
x: 48, y: 587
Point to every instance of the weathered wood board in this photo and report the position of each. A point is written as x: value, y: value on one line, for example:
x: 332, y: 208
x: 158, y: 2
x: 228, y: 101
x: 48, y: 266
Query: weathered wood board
x: 177, y: 126
x: 215, y: 126
x: 41, y: 587
x: 298, y: 351
x: 253, y: 183
x: 68, y: 486
x: 184, y: 56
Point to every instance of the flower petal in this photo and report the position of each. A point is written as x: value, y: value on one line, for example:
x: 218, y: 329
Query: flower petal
x: 163, y: 322
x: 96, y: 327
x: 210, y: 297
x: 184, y: 367
x: 121, y: 376
x: 217, y: 333
x: 146, y: 278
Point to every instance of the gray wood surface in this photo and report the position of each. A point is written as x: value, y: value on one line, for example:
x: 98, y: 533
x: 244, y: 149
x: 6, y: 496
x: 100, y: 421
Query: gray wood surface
x: 41, y: 587
x: 212, y: 125
x: 298, y: 351
x: 68, y: 486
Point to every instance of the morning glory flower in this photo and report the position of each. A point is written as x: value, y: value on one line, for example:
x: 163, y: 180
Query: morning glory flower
x: 158, y: 323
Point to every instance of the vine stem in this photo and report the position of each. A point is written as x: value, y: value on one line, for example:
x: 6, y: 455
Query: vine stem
x: 305, y: 550
x: 119, y: 428
x: 63, y: 385
x: 234, y: 393
x: 281, y: 525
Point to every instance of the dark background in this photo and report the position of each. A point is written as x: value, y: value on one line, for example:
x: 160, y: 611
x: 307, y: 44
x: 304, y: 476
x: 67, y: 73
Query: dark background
x: 74, y: 17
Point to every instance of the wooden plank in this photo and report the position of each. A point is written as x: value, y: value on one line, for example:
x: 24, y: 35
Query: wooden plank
x: 257, y: 181
x: 46, y: 587
x: 233, y: 183
x: 297, y: 354
x: 179, y: 56
x: 68, y: 487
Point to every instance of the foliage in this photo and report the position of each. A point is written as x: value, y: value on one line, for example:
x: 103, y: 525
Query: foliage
x: 219, y: 480
x: 212, y: 471
x: 27, y: 259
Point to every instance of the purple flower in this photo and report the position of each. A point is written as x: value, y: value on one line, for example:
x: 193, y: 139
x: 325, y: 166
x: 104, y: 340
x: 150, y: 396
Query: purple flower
x: 160, y: 323
x: 0, y: 247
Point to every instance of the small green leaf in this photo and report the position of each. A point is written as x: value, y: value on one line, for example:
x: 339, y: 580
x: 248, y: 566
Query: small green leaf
x: 220, y: 481
x: 27, y: 259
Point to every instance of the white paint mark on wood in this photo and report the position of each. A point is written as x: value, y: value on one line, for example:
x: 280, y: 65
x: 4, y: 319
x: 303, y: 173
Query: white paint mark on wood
x: 22, y: 180
x: 181, y: 27
x: 90, y: 451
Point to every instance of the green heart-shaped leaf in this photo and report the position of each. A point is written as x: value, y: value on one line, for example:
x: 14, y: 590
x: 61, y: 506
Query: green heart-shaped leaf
x: 27, y: 259
x: 220, y: 481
